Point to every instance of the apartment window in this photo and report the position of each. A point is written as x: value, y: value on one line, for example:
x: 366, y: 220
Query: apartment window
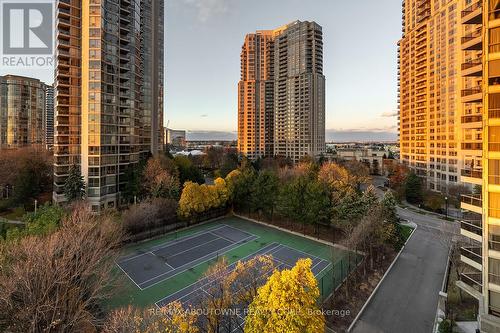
x: 494, y: 205
x: 494, y: 138
x: 494, y: 9
x: 494, y: 172
x: 494, y: 298
x: 495, y: 39
x: 494, y: 105
x: 494, y: 239
x: 494, y: 272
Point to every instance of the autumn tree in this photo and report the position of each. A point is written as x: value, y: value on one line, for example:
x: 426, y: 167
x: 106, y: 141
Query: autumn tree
x: 360, y: 173
x: 161, y: 178
x: 337, y: 178
x: 57, y: 283
x: 397, y: 179
x: 248, y: 276
x: 27, y: 173
x: 149, y: 214
x: 172, y: 318
x: 288, y: 302
x: 196, y: 199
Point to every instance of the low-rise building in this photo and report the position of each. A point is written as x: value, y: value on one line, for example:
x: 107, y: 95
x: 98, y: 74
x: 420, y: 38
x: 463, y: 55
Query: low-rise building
x: 175, y: 138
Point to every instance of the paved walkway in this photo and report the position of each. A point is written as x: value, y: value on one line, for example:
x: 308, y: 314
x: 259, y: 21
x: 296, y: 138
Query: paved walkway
x: 407, y: 299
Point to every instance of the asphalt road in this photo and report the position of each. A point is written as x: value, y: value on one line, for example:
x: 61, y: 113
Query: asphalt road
x: 407, y: 299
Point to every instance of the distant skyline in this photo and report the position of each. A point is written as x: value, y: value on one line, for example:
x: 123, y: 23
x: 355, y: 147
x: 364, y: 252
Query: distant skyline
x: 203, y: 44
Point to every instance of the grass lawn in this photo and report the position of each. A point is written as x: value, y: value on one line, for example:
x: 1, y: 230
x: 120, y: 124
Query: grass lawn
x: 407, y: 230
x: 126, y: 292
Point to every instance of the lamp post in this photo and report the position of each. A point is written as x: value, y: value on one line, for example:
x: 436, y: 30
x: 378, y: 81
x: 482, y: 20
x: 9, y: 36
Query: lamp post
x: 446, y: 200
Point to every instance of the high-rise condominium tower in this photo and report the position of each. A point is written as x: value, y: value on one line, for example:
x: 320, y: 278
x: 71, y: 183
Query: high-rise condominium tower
x: 22, y: 112
x: 281, y: 94
x: 429, y: 90
x: 109, y: 92
x: 481, y: 103
x: 49, y: 119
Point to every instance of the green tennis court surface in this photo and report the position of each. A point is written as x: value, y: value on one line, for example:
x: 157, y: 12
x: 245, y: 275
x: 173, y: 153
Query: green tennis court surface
x: 170, y: 268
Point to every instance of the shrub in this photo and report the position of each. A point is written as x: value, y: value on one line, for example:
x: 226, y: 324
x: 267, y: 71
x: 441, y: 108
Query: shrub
x: 149, y: 214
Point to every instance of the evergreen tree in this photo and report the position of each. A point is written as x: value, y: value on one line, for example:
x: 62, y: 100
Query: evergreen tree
x: 414, y: 189
x: 74, y: 186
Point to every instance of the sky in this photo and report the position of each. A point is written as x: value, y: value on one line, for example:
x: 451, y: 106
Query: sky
x: 203, y: 44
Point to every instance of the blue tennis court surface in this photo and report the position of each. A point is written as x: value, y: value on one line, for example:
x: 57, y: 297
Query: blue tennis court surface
x: 156, y: 264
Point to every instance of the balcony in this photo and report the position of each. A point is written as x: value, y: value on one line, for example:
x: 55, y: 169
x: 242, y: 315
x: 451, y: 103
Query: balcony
x: 473, y: 203
x: 472, y: 255
x: 494, y: 113
x: 473, y: 41
x: 472, y: 280
x: 472, y: 67
x: 472, y: 228
x: 494, y: 278
x: 473, y: 14
x: 472, y: 95
x: 472, y: 146
x: 472, y: 118
x: 473, y: 199
x: 473, y: 173
x: 472, y: 176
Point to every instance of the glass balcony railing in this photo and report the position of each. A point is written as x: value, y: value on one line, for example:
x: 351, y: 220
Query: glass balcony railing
x: 474, y: 200
x: 474, y: 226
x: 474, y: 253
x: 473, y: 173
x: 473, y: 280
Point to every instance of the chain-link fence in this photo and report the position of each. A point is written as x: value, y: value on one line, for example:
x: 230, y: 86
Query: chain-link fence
x: 337, y: 273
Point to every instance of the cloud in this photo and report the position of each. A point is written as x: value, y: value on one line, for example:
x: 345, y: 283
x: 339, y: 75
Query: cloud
x: 204, y: 115
x: 389, y: 114
x: 208, y: 8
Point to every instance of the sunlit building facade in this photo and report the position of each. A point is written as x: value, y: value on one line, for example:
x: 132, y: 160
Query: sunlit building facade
x: 481, y: 224
x: 22, y: 112
x: 256, y: 96
x: 429, y: 91
x: 49, y: 117
x: 109, y: 92
x: 281, y: 94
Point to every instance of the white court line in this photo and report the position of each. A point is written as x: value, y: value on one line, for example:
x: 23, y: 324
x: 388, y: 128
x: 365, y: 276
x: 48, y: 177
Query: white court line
x: 224, y: 250
x: 128, y: 276
x: 168, y: 265
x: 308, y: 254
x: 172, y: 242
x: 222, y: 237
x: 324, y: 269
x: 203, y: 285
x: 194, y: 247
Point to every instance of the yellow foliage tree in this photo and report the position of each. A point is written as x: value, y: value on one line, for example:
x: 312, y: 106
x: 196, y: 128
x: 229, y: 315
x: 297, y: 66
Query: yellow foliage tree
x: 287, y: 303
x: 172, y: 318
x: 196, y: 199
x: 191, y: 201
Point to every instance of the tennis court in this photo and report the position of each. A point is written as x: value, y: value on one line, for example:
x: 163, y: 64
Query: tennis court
x: 284, y: 257
x: 162, y: 262
x: 173, y: 267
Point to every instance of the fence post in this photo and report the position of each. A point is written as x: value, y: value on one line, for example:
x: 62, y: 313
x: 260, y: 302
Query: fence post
x: 322, y: 289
